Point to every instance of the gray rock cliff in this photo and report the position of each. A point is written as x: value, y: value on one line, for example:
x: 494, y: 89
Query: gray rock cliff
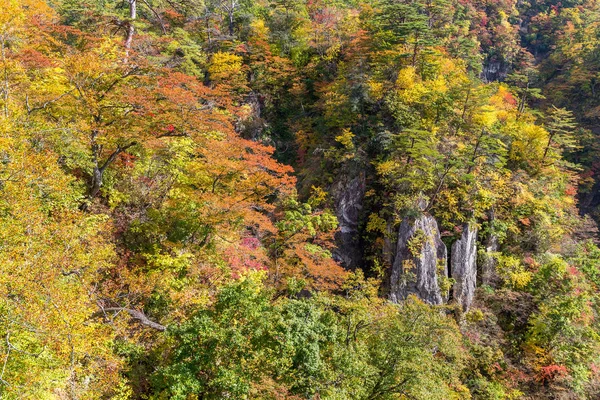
x: 348, y: 194
x: 488, y: 260
x: 464, y: 267
x: 421, y: 258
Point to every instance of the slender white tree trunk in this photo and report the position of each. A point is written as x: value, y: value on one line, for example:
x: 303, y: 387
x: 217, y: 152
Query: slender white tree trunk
x: 131, y: 27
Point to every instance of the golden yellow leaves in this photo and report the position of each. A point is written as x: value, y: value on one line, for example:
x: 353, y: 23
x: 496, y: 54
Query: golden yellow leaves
x: 11, y: 17
x: 485, y: 116
x: 413, y: 89
x: 528, y: 142
x: 346, y: 140
x: 406, y: 79
x: 376, y: 89
x: 225, y: 67
x: 513, y: 272
x: 376, y: 224
x: 14, y: 20
x: 51, y: 257
x: 388, y: 167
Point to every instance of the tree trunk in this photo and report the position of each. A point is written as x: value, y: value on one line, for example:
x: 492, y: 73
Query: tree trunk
x: 6, y: 88
x: 131, y: 27
x: 474, y: 156
x: 415, y: 50
x: 547, y: 147
x: 464, y: 111
x: 231, y: 22
x: 98, y: 172
x: 96, y: 182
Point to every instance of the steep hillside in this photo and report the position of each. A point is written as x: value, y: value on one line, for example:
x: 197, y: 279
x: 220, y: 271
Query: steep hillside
x: 286, y: 199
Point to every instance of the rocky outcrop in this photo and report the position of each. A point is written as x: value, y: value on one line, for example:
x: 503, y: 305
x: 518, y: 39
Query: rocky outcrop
x: 253, y: 125
x: 348, y: 195
x: 464, y: 267
x: 488, y: 257
x: 489, y: 262
x: 494, y: 70
x: 421, y: 259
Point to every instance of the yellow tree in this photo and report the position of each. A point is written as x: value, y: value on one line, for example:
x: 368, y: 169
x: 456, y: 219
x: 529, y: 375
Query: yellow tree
x: 51, y: 258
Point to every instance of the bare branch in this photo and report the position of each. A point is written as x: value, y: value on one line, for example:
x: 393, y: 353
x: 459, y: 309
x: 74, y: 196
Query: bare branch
x: 135, y: 314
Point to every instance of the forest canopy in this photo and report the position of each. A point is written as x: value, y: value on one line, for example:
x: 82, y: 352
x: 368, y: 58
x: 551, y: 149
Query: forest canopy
x: 299, y: 199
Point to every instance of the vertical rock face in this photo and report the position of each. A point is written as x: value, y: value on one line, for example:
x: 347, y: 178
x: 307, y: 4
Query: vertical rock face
x: 488, y: 262
x: 464, y: 267
x: 494, y: 69
x: 254, y: 124
x: 421, y: 257
x: 488, y: 275
x: 348, y: 195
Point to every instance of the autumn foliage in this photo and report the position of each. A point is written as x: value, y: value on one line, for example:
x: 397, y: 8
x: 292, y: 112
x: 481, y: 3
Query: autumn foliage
x: 182, y: 184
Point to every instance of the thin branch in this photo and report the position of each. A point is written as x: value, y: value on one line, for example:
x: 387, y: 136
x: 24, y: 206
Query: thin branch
x: 157, y: 15
x: 114, y: 155
x: 9, y: 348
